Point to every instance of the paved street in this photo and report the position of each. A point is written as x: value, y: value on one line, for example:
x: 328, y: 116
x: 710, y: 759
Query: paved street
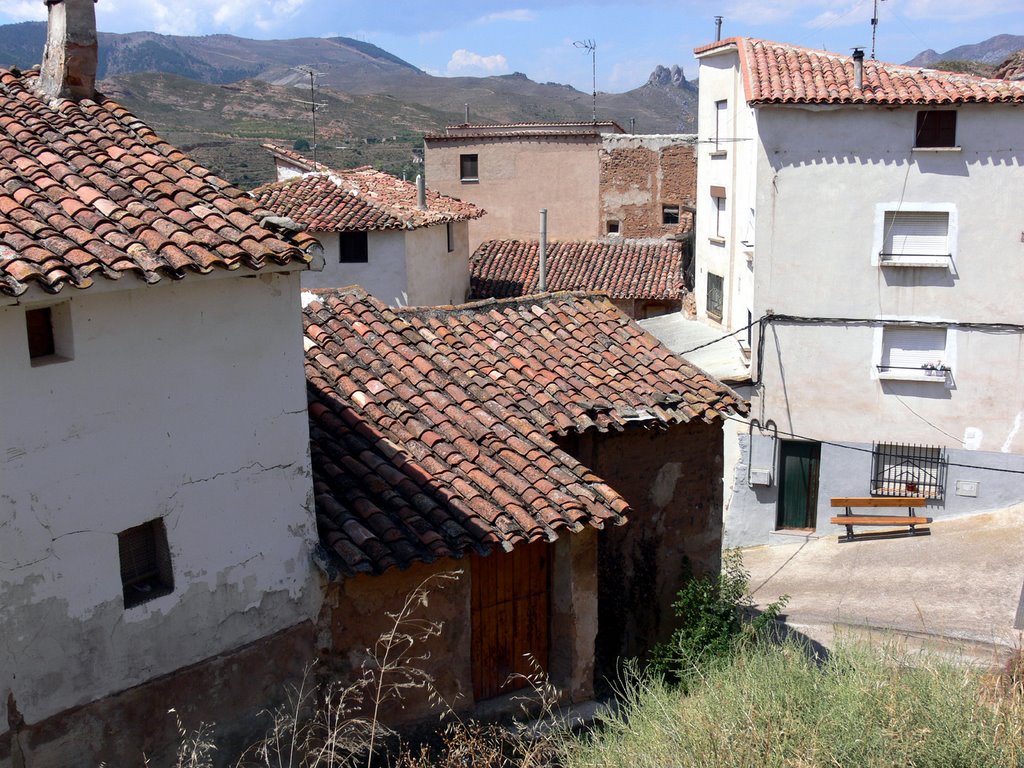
x: 960, y: 587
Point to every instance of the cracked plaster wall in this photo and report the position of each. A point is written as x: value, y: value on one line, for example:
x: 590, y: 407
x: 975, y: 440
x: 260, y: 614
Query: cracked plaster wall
x: 184, y: 402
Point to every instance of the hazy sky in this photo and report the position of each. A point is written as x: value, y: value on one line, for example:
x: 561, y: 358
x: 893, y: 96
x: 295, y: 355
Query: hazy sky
x: 456, y: 37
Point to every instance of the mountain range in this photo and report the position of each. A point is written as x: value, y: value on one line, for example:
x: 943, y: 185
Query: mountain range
x: 992, y: 51
x: 218, y: 96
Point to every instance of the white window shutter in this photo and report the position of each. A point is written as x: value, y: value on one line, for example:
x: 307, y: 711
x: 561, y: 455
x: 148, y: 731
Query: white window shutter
x: 913, y: 233
x: 910, y: 347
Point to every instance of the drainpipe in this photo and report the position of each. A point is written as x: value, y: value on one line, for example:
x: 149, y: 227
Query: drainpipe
x: 858, y: 68
x: 421, y: 192
x: 542, y: 275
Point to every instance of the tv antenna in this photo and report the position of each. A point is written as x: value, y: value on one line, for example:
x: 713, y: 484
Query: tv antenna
x: 590, y: 45
x: 313, y: 104
x: 874, y: 28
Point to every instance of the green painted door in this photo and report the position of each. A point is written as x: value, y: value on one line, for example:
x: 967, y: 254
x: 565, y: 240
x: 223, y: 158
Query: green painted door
x: 798, y: 484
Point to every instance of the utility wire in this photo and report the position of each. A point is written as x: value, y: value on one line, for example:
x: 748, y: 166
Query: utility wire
x: 721, y: 338
x: 834, y: 444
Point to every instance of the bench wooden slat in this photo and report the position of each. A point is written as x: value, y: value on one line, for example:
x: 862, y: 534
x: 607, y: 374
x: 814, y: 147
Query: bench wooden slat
x: 879, y: 520
x: 879, y: 501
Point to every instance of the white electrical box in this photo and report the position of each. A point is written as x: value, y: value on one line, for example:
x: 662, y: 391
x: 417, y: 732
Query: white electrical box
x: 967, y: 488
x: 760, y: 477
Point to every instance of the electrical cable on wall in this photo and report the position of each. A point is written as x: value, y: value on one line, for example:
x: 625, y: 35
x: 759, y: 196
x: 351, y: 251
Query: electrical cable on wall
x: 834, y: 444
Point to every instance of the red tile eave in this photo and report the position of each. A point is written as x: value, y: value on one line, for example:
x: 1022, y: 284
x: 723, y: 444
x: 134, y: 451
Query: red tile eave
x: 88, y: 189
x: 360, y: 199
x: 782, y: 74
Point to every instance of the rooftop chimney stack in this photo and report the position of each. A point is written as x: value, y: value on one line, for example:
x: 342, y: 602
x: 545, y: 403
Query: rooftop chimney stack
x: 421, y: 192
x: 718, y: 28
x: 69, y: 59
x: 858, y: 68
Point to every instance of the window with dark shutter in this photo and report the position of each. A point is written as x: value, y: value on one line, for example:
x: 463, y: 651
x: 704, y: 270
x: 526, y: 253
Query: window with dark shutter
x: 353, y: 248
x: 469, y: 169
x: 936, y: 128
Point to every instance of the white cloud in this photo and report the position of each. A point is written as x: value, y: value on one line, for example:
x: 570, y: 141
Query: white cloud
x: 839, y: 17
x: 517, y: 15
x: 465, y: 62
x: 24, y: 10
x: 188, y: 17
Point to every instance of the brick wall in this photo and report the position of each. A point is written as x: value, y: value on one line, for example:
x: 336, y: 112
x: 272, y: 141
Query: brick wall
x: 673, y: 481
x: 638, y: 176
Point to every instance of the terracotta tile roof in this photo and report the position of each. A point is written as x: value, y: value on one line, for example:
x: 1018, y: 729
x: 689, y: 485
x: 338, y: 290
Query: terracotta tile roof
x: 88, y: 189
x: 624, y: 269
x: 411, y: 463
x: 359, y: 199
x: 776, y: 73
x: 570, y: 362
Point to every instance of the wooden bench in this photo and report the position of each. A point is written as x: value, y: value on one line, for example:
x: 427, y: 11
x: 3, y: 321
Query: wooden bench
x: 880, y: 502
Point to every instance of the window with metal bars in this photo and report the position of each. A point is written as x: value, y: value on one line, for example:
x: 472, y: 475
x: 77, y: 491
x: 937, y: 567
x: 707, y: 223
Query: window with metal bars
x: 715, y: 296
x: 901, y: 469
x: 145, y: 563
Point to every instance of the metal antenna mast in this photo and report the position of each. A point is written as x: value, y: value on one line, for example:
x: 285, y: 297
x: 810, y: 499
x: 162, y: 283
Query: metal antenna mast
x: 590, y: 45
x: 313, y: 74
x: 874, y: 29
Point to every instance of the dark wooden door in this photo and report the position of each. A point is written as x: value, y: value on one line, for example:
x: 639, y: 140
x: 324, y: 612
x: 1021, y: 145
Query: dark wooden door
x: 510, y: 610
x: 798, y: 484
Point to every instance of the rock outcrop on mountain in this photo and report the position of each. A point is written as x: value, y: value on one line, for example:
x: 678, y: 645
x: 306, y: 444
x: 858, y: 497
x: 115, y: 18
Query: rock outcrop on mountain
x: 991, y: 51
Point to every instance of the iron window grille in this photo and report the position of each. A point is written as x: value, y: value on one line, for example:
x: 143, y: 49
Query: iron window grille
x: 901, y: 469
x: 715, y: 297
x: 145, y: 563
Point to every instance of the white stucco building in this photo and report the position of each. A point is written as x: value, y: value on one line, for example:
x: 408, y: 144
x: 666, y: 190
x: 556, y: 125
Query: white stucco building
x: 156, y: 522
x: 377, y: 231
x: 869, y: 215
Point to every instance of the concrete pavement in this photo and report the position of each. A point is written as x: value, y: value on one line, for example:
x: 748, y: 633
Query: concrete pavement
x: 959, y: 588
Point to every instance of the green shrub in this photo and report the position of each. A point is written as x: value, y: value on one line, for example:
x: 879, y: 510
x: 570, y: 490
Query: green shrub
x: 710, y: 611
x: 301, y: 145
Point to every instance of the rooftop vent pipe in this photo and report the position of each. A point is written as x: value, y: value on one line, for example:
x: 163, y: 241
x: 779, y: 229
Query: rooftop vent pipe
x: 69, y: 58
x: 718, y: 28
x: 421, y: 192
x: 466, y: 121
x: 858, y: 68
x: 542, y: 271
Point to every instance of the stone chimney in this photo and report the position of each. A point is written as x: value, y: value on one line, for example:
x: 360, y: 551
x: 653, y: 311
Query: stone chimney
x: 69, y: 59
